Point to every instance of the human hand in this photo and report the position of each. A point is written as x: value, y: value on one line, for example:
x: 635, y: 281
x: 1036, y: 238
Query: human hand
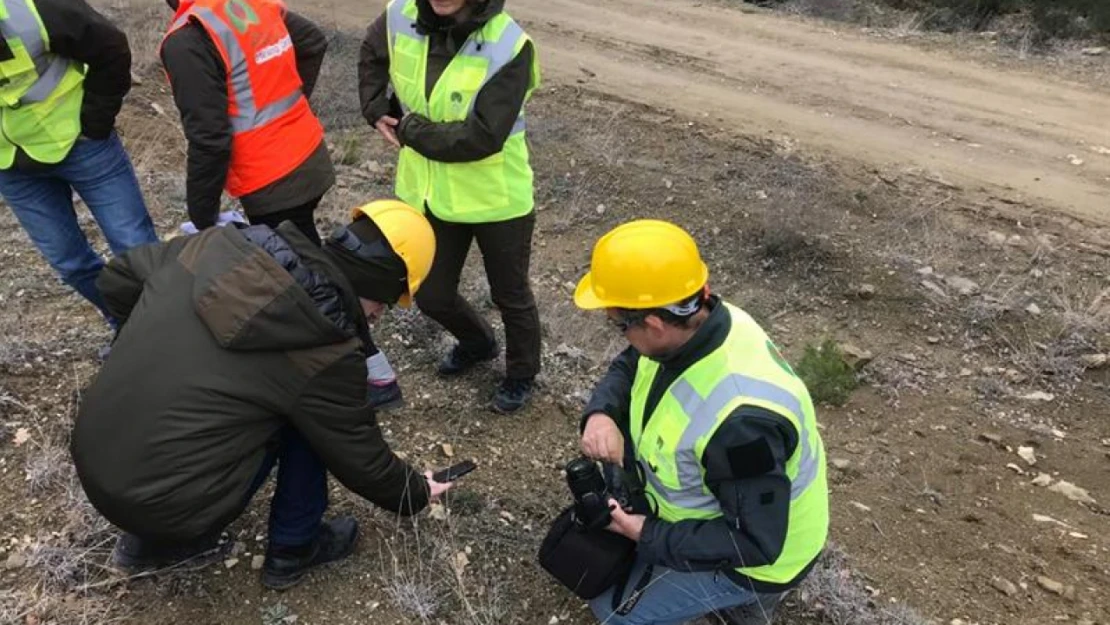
x: 387, y: 127
x: 628, y: 525
x: 602, y: 439
x: 436, y: 489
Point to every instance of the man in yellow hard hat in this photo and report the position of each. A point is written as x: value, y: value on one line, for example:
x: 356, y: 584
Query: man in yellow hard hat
x: 242, y: 347
x: 723, y: 433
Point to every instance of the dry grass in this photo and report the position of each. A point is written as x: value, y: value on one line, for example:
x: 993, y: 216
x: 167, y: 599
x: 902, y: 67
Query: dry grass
x: 835, y: 595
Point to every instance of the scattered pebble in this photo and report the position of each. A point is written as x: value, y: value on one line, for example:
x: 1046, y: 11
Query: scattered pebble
x: 866, y: 291
x: 1043, y: 479
x: 963, y: 286
x: 840, y: 463
x: 1039, y: 396
x: 1028, y: 455
x: 1033, y: 309
x: 861, y: 506
x: 1073, y: 492
x: 15, y: 561
x: 1094, y: 361
x: 257, y: 562
x: 1004, y: 586
x: 231, y: 562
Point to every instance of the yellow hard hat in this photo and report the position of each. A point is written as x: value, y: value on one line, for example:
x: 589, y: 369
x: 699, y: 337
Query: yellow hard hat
x: 646, y: 263
x: 409, y: 234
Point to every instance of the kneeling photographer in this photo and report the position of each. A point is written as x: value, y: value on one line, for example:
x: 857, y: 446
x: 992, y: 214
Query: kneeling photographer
x: 721, y: 432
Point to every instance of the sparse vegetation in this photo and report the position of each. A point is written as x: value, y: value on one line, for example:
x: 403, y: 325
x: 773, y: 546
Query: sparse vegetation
x: 828, y: 377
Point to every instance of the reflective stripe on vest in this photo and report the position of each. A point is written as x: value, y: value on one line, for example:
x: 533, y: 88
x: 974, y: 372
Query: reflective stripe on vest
x: 51, y: 68
x: 497, y: 54
x: 245, y: 116
x: 703, y: 414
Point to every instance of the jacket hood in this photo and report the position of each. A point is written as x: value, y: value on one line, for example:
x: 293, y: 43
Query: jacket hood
x: 259, y: 289
x: 481, y: 13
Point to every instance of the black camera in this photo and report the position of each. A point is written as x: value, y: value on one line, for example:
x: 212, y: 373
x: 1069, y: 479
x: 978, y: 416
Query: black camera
x: 592, y: 489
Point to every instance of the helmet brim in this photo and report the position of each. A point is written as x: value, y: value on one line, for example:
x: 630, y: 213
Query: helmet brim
x: 585, y: 297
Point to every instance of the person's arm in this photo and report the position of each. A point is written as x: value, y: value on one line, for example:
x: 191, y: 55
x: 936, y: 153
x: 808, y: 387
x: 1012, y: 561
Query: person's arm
x: 745, y: 465
x: 76, y: 31
x: 613, y: 394
x: 199, y: 83
x: 373, y: 74
x: 484, y: 132
x: 310, y: 45
x: 335, y: 418
x: 122, y: 280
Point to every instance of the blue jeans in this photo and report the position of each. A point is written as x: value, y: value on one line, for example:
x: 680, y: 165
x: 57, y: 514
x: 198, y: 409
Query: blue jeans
x: 672, y: 597
x: 101, y: 173
x: 301, y: 493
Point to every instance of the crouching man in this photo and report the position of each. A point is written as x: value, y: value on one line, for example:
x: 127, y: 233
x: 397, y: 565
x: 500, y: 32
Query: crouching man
x: 241, y: 348
x: 722, y: 432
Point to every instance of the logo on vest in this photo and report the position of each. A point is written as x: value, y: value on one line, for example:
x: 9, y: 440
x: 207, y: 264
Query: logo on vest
x: 456, y: 98
x: 241, y: 15
x: 273, y: 51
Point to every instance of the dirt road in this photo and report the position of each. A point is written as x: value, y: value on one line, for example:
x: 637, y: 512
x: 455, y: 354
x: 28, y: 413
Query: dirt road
x: 836, y: 92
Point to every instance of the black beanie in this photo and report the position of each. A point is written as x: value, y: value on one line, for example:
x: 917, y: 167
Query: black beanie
x: 382, y: 278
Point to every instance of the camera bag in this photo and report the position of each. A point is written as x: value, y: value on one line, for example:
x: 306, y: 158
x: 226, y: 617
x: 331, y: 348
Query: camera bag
x: 586, y: 562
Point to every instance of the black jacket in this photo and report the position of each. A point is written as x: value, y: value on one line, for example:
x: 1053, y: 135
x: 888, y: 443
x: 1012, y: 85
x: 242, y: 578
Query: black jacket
x: 745, y: 467
x: 496, y: 107
x: 76, y: 31
x: 228, y: 336
x: 199, y: 82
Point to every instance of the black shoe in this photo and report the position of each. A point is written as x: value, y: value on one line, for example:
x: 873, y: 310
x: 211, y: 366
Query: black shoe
x: 384, y: 396
x: 285, y: 567
x: 134, y: 555
x: 512, y: 394
x: 463, y: 359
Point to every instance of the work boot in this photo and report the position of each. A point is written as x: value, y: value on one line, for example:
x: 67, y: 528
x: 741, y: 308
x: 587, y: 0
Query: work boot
x: 285, y: 567
x: 513, y: 394
x: 134, y: 555
x: 462, y: 359
x: 759, y: 612
x: 384, y: 397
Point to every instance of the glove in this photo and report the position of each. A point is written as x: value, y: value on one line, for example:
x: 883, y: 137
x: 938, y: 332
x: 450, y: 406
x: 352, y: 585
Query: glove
x: 223, y: 219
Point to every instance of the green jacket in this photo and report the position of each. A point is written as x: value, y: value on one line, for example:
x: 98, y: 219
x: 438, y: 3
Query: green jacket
x: 228, y: 336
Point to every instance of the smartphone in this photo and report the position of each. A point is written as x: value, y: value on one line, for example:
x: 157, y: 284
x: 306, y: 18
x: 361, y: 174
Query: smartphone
x: 450, y: 474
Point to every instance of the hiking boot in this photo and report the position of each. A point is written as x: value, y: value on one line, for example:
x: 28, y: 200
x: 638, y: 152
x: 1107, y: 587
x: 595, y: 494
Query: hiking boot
x: 513, y: 394
x: 285, y: 567
x: 384, y: 397
x: 759, y: 612
x: 135, y: 555
x: 462, y: 359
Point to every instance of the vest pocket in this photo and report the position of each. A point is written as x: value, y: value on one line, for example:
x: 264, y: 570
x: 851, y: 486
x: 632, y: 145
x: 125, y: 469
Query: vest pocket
x: 479, y: 186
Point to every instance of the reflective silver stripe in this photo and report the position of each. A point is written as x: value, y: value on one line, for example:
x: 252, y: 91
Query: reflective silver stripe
x: 693, y: 498
x: 704, y: 412
x: 51, y: 68
x: 496, y: 53
x: 247, y: 116
x: 519, y: 126
x: 399, y: 23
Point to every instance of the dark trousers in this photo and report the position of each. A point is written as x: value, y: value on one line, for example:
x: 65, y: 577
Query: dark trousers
x: 303, y: 217
x: 301, y: 493
x: 506, y: 248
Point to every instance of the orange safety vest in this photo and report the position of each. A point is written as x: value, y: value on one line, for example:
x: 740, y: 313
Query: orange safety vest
x: 273, y: 129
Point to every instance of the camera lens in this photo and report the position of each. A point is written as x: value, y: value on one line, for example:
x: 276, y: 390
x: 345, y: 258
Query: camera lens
x: 583, y: 477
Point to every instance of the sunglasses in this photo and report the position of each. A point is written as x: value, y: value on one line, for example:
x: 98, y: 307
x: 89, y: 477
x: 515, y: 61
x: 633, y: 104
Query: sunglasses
x: 624, y: 323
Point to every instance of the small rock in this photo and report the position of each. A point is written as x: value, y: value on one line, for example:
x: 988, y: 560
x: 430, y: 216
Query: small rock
x: 1042, y: 480
x: 1033, y: 309
x: 231, y: 562
x: 437, y: 512
x: 934, y: 287
x: 15, y: 561
x: 1094, y: 361
x: 957, y: 621
x: 966, y: 373
x: 993, y: 439
x: 925, y: 271
x: 855, y: 357
x: 257, y: 562
x: 861, y: 506
x: 1004, y: 586
x: 1073, y: 492
x: 963, y: 286
x: 866, y: 291
x: 1027, y: 454
x: 996, y: 238
x: 448, y: 450
x: 553, y: 621
x: 1041, y: 518
x: 600, y: 209
x: 136, y: 81
x: 1075, y: 160
x: 1051, y: 585
x: 1015, y: 468
x: 1078, y: 535
x: 1096, y: 51
x: 840, y: 463
x: 1039, y: 396
x: 932, y: 340
x: 1036, y: 273
x: 238, y: 549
